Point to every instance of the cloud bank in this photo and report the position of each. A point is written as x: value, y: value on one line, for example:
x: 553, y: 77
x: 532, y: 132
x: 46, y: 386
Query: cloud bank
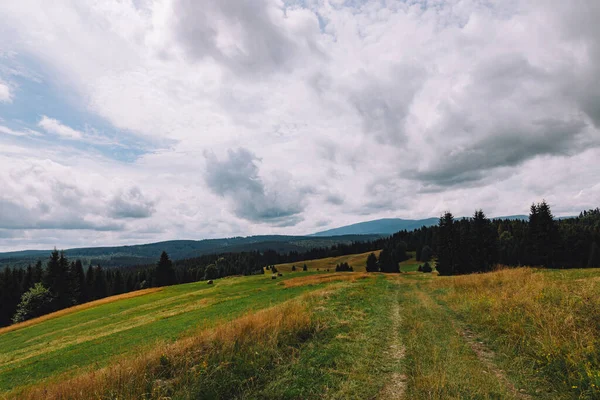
x: 288, y: 117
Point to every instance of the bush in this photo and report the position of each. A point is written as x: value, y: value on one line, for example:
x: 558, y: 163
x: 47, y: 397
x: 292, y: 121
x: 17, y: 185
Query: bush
x: 211, y: 272
x: 343, y: 267
x: 35, y: 302
x: 426, y: 268
x: 293, y: 268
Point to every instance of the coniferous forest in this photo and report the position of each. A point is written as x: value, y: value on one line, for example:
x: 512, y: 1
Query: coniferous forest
x: 460, y: 246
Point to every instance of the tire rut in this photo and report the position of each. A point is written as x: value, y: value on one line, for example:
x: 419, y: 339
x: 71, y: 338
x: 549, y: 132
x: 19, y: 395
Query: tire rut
x: 396, y: 387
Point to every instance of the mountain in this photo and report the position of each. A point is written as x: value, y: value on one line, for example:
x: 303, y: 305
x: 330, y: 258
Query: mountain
x: 386, y: 226
x: 180, y: 249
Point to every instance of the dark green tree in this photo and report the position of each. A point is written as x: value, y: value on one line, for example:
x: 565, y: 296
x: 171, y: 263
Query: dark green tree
x: 165, y: 274
x: 594, y: 256
x: 372, y: 263
x: 211, y: 272
x: 447, y: 245
x: 426, y: 253
x: 35, y: 302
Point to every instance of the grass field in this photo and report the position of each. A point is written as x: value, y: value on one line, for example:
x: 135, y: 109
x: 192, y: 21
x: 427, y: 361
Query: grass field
x: 510, y: 334
x: 357, y: 261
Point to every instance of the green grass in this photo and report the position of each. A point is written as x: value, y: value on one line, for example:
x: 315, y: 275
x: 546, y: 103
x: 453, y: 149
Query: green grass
x: 500, y: 335
x: 93, y: 336
x: 357, y: 261
x: 349, y: 357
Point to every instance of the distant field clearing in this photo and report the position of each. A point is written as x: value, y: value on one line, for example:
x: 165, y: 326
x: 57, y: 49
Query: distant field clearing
x: 357, y: 261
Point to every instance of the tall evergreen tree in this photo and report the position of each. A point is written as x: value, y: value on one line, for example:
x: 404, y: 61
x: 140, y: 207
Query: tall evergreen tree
x: 165, y: 274
x: 447, y: 245
x: 482, y: 243
x: 372, y: 263
x: 426, y: 253
x: 89, y: 284
x: 79, y: 287
x: 100, y: 285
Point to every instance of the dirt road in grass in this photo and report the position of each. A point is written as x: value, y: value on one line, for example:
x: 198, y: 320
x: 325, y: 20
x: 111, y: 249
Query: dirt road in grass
x: 437, y: 358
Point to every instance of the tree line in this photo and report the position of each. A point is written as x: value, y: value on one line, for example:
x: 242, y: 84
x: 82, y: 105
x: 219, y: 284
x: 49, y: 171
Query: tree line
x: 476, y: 244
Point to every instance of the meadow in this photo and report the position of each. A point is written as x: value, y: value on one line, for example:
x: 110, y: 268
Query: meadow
x: 509, y: 334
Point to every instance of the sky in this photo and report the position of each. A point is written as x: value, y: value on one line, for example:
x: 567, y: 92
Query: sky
x: 136, y: 121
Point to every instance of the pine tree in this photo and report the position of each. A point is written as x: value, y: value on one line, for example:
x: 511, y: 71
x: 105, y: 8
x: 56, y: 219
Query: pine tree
x: 89, y: 284
x: 447, y: 246
x: 56, y: 280
x: 372, y: 263
x: 594, y: 256
x: 78, y: 282
x: 100, y: 288
x: 165, y: 274
x: 426, y: 253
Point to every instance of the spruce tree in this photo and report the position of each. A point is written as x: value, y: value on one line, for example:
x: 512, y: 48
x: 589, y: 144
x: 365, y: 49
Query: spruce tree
x: 165, y: 274
x: 372, y: 263
x: 447, y: 245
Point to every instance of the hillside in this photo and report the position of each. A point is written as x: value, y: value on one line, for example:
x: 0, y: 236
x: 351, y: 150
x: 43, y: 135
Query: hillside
x: 388, y: 226
x: 379, y: 226
x: 180, y: 249
x: 511, y: 334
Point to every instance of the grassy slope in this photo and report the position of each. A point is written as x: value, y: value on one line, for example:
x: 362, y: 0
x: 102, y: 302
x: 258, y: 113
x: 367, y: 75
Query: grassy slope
x: 94, y: 335
x: 356, y: 261
x: 509, y: 334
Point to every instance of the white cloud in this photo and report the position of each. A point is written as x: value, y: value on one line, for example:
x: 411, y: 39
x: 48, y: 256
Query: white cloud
x: 54, y: 126
x: 28, y: 132
x: 380, y: 108
x: 5, y: 92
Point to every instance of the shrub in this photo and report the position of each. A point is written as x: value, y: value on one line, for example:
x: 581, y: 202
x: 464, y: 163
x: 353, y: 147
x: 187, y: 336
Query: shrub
x: 35, y: 302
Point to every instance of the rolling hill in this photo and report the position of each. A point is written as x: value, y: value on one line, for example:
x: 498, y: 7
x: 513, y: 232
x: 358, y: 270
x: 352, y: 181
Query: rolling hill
x: 389, y: 226
x: 181, y: 249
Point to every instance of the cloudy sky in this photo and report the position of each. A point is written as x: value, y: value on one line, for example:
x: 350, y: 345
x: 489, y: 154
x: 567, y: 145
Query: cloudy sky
x: 133, y: 121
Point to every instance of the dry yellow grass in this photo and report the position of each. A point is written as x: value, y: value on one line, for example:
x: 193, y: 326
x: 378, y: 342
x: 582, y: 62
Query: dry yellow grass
x: 77, y: 308
x: 185, y: 360
x: 356, y: 261
x: 324, y: 278
x: 549, y: 318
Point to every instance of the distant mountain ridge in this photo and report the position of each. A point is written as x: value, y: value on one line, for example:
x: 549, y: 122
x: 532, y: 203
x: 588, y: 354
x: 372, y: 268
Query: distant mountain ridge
x: 389, y: 226
x: 180, y: 249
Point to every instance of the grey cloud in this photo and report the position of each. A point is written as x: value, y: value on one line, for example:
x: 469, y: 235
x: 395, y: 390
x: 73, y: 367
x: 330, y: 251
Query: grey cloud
x: 131, y: 204
x: 506, y: 148
x: 14, y: 216
x: 259, y: 46
x: 335, y: 199
x: 384, y: 104
x: 236, y: 178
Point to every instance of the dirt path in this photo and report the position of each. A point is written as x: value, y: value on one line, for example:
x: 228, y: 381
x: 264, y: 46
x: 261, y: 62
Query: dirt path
x: 396, y: 386
x: 486, y: 356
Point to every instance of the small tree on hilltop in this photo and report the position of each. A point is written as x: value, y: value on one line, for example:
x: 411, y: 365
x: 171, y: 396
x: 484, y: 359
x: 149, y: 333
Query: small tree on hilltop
x: 304, y: 268
x: 293, y: 268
